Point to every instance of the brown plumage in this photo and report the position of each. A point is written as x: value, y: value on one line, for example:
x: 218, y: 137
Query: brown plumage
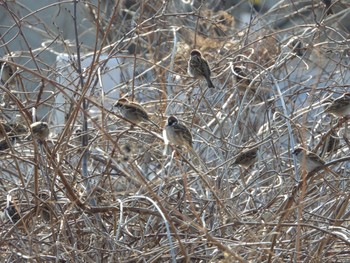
x: 340, y: 107
x: 177, y: 133
x: 133, y: 111
x: 198, y: 67
x: 312, y: 160
x: 247, y: 158
x: 40, y: 130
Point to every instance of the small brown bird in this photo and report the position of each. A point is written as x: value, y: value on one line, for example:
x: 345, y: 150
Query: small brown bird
x: 328, y: 4
x: 198, y: 67
x: 133, y: 111
x: 40, y: 130
x: 312, y: 160
x: 177, y: 133
x: 7, y: 72
x: 247, y: 158
x: 340, y: 107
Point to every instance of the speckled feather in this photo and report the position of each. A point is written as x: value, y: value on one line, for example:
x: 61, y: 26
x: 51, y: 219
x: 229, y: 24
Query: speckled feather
x: 246, y: 158
x: 198, y: 67
x: 312, y: 160
x: 132, y: 111
x: 340, y: 107
x: 40, y: 130
x: 178, y: 133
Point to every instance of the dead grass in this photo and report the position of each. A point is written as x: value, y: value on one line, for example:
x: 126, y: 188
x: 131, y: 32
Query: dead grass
x: 108, y: 194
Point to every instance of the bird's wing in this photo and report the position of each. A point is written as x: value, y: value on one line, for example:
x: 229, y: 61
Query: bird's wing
x: 183, y: 131
x: 139, y: 109
x: 338, y: 104
x: 246, y: 157
x: 315, y: 158
x: 197, y: 64
x: 206, y: 68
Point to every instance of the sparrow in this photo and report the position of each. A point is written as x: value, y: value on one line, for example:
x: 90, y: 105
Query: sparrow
x: 40, y: 130
x: 247, y: 158
x: 328, y: 4
x: 312, y: 160
x: 198, y: 67
x: 6, y: 72
x: 132, y: 111
x: 177, y: 133
x: 340, y: 107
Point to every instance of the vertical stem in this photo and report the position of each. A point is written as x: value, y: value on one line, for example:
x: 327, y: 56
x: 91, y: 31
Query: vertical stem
x: 81, y: 81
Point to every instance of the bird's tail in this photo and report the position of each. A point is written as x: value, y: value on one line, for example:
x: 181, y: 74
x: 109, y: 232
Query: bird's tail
x: 329, y: 11
x: 155, y: 124
x: 210, y: 83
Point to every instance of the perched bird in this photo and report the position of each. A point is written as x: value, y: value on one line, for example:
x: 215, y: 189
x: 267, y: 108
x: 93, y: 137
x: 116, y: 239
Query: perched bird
x: 247, y: 158
x: 340, y: 107
x: 312, y: 160
x: 132, y: 111
x: 7, y: 72
x: 177, y: 133
x: 40, y: 130
x: 198, y: 67
x: 328, y: 4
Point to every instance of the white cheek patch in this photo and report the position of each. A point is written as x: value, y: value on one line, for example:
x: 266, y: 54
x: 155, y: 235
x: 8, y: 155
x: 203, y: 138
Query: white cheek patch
x: 165, y: 137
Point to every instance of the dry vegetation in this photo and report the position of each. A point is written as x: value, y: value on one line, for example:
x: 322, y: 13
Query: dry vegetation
x: 106, y: 193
